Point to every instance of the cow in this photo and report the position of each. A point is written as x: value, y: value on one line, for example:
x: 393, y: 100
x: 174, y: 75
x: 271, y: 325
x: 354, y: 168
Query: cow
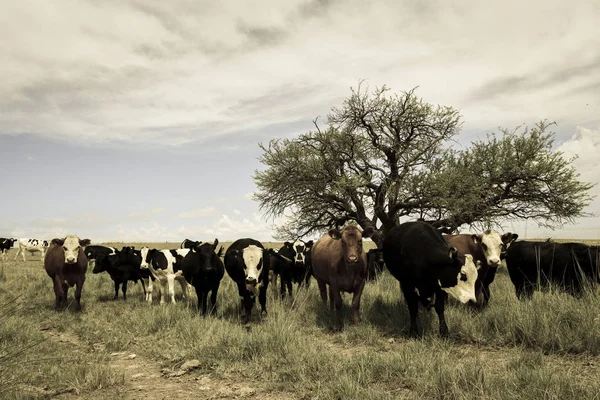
x: 247, y: 264
x: 375, y: 263
x: 161, y: 265
x: 290, y: 266
x: 122, y: 267
x: 567, y: 266
x: 417, y: 255
x: 303, y: 263
x: 5, y: 245
x: 66, y: 264
x: 188, y: 244
x: 93, y: 252
x: 489, y: 248
x: 32, y: 246
x: 339, y: 260
x: 204, y: 269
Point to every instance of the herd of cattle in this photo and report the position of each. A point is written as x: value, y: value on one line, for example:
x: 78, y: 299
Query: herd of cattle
x: 430, y: 266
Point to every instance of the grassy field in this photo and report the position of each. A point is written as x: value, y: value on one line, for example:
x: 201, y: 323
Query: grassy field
x: 546, y: 348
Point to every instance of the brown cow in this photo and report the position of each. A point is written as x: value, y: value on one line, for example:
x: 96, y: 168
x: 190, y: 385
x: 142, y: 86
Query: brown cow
x: 66, y: 264
x: 489, y: 248
x: 339, y: 261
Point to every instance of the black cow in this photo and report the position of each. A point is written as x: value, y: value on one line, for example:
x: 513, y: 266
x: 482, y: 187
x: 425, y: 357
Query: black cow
x: 122, y: 267
x: 247, y: 263
x: 204, y: 269
x: 5, y: 245
x: 417, y: 255
x: 537, y: 265
x: 375, y: 263
x: 188, y: 244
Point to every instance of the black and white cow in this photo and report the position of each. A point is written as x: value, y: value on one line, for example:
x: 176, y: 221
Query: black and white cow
x: 32, y: 246
x: 247, y: 263
x: 375, y: 263
x: 161, y: 265
x: 204, y: 269
x: 188, y: 244
x: 5, y: 245
x: 417, y: 255
x: 566, y: 266
x: 92, y: 252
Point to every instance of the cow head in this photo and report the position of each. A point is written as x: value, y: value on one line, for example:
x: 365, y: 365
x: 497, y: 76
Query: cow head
x: 461, y: 286
x: 146, y: 254
x: 10, y: 242
x: 375, y: 258
x: 351, y: 238
x: 207, y: 255
x: 71, y: 246
x: 493, y: 245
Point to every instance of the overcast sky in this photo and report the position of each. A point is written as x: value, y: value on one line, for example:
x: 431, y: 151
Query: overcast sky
x: 139, y: 120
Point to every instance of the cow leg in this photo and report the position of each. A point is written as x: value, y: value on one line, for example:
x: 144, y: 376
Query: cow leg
x: 17, y: 255
x: 307, y: 279
x: 213, y: 299
x: 262, y: 298
x: 149, y: 285
x: 143, y: 287
x: 489, y: 278
x: 412, y: 301
x: 171, y: 284
x: 163, y: 289
x: 337, y: 304
x: 289, y: 287
x: 124, y: 288
x: 331, y: 297
x: 322, y: 290
x: 116, y: 290
x: 58, y: 293
x: 356, y: 303
x: 440, y: 300
x: 204, y: 301
x: 78, y: 289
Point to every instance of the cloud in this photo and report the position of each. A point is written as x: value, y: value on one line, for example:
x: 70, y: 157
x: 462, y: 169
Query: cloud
x: 199, y: 213
x: 145, y: 215
x: 237, y: 212
x: 585, y: 146
x: 171, y: 74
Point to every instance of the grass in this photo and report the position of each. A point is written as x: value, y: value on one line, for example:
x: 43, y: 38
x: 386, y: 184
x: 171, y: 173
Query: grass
x: 543, y: 348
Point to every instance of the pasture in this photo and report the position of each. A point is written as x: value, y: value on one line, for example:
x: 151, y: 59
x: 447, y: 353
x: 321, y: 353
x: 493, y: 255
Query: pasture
x: 545, y: 348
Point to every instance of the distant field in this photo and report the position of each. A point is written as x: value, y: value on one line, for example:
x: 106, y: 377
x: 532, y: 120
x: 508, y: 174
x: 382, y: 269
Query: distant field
x: 546, y: 348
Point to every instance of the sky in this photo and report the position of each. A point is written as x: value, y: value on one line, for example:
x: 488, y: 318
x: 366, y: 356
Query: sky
x: 140, y: 120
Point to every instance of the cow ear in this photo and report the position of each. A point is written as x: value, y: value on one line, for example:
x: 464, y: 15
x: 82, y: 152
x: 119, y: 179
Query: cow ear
x: 509, y: 237
x: 335, y: 233
x: 368, y: 232
x: 476, y: 238
x: 287, y: 244
x: 310, y: 243
x: 452, y: 253
x: 84, y: 242
x: 215, y: 243
x: 58, y: 242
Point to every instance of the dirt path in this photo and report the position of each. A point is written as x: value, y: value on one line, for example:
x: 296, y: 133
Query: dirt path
x: 144, y: 379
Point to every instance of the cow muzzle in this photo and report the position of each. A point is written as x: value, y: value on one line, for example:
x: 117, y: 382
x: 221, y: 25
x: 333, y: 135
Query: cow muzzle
x: 352, y: 259
x: 70, y: 260
x: 250, y: 280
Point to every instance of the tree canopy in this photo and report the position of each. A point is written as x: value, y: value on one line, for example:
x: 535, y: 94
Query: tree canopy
x: 383, y: 157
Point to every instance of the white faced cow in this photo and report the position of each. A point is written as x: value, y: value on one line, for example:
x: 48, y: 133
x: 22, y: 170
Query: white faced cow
x: 488, y: 248
x: 32, y: 246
